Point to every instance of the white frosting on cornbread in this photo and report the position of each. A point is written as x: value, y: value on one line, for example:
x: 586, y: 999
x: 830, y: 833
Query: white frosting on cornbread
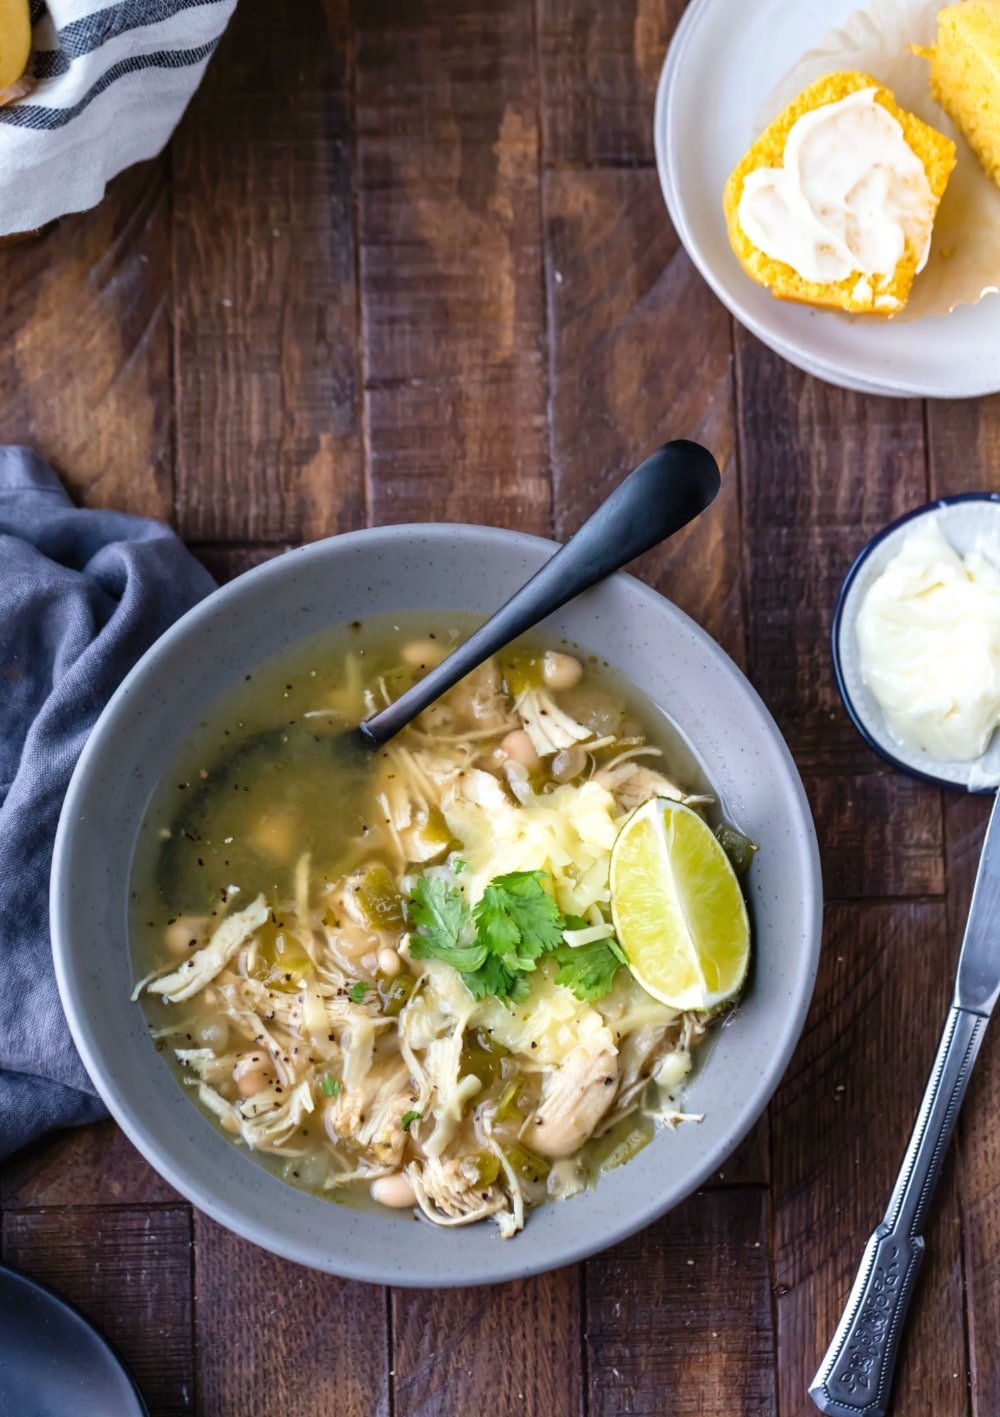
x: 850, y: 194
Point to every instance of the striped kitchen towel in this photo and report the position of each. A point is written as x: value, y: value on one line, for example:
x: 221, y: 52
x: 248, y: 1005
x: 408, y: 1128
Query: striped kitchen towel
x: 106, y: 86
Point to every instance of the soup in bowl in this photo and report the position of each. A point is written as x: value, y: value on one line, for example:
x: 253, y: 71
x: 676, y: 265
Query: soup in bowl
x: 404, y: 980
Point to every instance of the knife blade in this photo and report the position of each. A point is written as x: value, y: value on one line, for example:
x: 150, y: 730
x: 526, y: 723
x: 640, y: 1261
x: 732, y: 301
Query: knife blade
x: 977, y: 985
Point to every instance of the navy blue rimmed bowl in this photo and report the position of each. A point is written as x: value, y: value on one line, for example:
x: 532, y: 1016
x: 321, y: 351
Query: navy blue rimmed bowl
x: 968, y: 521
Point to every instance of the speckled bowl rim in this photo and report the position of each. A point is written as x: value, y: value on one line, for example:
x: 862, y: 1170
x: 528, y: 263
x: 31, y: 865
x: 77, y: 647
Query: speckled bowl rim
x: 838, y: 628
x: 495, y: 1261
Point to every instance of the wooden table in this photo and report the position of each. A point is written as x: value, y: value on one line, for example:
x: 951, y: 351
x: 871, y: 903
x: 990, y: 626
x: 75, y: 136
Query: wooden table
x: 412, y: 262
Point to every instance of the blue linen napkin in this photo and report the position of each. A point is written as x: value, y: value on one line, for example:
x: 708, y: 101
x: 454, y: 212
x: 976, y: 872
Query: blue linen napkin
x: 82, y: 595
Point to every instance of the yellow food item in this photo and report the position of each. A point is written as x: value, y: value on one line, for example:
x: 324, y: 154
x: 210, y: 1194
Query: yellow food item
x: 911, y: 143
x: 965, y: 75
x: 677, y: 907
x: 15, y: 40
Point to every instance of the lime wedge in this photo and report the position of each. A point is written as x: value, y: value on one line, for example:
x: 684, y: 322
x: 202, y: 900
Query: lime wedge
x: 677, y: 907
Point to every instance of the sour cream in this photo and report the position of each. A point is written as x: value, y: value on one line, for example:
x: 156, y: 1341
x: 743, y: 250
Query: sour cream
x: 850, y: 193
x: 929, y: 635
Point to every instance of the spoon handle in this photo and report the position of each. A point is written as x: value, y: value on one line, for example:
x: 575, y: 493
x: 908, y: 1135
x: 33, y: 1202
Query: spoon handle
x: 855, y: 1375
x: 662, y: 495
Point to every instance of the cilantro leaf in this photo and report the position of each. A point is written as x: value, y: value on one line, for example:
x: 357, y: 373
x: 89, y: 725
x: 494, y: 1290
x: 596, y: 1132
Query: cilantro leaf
x: 357, y: 991
x: 330, y: 1086
x: 498, y: 930
x: 589, y: 970
x: 518, y: 920
x: 440, y: 914
x: 492, y: 979
x: 408, y: 1118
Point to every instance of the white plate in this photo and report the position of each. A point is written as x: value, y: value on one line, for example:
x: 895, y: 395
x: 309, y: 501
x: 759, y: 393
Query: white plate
x: 969, y: 522
x: 726, y: 58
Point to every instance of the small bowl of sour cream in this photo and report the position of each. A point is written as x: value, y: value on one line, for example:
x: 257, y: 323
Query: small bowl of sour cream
x: 916, y: 642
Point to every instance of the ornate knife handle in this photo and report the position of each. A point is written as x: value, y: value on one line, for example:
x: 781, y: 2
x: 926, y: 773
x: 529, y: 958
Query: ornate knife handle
x: 855, y: 1376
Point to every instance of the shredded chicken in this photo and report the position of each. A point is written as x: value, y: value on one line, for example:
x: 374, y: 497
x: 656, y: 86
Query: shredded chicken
x: 575, y: 1096
x: 547, y: 725
x: 192, y: 976
x: 284, y: 1022
x: 448, y: 1197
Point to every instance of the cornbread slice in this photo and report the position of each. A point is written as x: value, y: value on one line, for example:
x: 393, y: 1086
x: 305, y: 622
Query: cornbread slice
x: 15, y: 40
x: 965, y: 75
x: 858, y: 292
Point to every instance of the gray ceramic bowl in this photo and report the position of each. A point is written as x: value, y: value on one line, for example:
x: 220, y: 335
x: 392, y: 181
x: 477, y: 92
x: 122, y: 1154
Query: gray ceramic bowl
x: 346, y: 578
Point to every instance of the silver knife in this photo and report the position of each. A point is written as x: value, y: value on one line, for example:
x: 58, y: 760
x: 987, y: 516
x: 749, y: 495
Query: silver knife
x: 855, y: 1376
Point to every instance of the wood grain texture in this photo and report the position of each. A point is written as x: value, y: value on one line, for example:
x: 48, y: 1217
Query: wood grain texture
x: 964, y: 454
x: 823, y: 469
x: 83, y: 1166
x: 225, y: 561
x: 839, y: 1126
x: 129, y: 1270
x: 85, y: 358
x: 504, y: 1351
x: 600, y: 67
x: 679, y: 1317
x: 278, y: 1340
x: 268, y: 408
x: 449, y: 223
x: 639, y: 354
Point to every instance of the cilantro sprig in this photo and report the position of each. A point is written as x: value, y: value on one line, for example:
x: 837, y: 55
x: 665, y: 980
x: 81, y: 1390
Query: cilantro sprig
x: 589, y: 970
x: 497, y: 944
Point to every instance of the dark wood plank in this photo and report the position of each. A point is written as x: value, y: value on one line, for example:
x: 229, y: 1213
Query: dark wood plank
x: 503, y: 1351
x: 85, y: 347
x: 84, y: 1166
x: 978, y: 1139
x: 880, y: 834
x: 278, y: 1340
x: 226, y: 561
x: 640, y: 353
x: 824, y: 469
x: 600, y: 67
x: 679, y: 1317
x: 451, y: 284
x: 129, y: 1270
x: 268, y: 423
x: 964, y: 451
x: 839, y: 1126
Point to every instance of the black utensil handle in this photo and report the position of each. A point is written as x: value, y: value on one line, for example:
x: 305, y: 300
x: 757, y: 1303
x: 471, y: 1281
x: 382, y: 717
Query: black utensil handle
x: 855, y: 1376
x: 662, y: 495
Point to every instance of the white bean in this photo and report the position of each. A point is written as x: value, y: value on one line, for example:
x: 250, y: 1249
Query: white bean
x: 213, y: 1034
x: 518, y: 745
x: 422, y: 654
x: 395, y: 1191
x: 252, y: 1073
x: 561, y: 671
x: 185, y: 934
x: 389, y: 962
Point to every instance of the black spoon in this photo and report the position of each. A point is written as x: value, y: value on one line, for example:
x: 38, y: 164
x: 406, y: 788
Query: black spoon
x: 663, y: 494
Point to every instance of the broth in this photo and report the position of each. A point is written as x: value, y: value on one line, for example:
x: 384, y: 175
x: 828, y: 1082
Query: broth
x: 274, y: 805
